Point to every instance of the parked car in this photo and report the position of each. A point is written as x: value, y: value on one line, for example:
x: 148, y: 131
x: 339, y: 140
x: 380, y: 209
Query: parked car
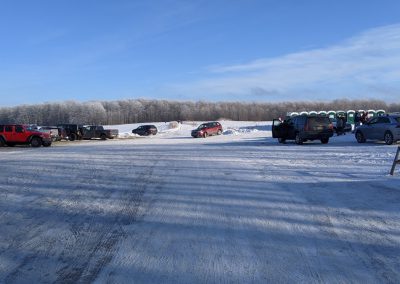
x: 14, y: 134
x: 145, y: 130
x: 56, y: 133
x: 302, y: 128
x: 73, y: 131
x: 207, y: 129
x: 383, y: 128
x: 98, y: 131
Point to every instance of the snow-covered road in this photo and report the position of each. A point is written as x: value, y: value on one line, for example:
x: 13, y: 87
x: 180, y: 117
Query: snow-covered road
x: 226, y: 209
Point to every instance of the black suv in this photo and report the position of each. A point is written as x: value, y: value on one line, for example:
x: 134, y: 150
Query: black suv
x: 73, y: 131
x: 145, y: 130
x: 302, y: 128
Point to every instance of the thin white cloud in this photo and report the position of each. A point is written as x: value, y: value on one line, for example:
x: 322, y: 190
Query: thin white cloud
x: 367, y: 64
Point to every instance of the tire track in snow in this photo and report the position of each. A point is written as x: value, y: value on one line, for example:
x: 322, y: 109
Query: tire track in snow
x: 101, y: 250
x: 85, y: 237
x: 361, y: 255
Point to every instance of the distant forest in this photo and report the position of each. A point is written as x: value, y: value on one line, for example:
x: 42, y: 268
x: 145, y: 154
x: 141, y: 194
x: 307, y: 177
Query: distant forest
x: 141, y: 110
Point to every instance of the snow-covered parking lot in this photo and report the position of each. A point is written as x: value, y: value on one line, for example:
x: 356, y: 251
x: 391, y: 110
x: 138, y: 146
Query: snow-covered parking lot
x: 235, y: 208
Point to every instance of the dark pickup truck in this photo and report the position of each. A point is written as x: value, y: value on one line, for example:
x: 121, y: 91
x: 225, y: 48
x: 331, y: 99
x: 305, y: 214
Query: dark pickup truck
x: 98, y: 131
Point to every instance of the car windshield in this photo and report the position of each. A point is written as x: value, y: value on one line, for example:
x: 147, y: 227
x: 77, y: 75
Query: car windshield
x: 202, y: 126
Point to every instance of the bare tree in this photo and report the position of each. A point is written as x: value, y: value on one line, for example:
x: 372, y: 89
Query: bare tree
x: 141, y: 110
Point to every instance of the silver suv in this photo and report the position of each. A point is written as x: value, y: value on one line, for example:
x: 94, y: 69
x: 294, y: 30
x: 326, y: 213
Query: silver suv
x: 386, y: 128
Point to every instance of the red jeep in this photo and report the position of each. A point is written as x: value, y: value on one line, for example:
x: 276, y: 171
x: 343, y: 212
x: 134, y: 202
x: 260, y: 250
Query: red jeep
x: 13, y: 134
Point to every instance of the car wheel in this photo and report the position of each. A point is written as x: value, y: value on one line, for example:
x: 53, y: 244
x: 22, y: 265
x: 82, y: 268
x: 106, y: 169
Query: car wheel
x: 48, y: 144
x: 103, y: 137
x: 298, y: 139
x: 219, y: 132
x: 205, y: 135
x: 72, y: 137
x: 360, y: 137
x: 2, y: 143
x: 36, y: 142
x: 324, y: 140
x: 281, y: 140
x: 388, y: 138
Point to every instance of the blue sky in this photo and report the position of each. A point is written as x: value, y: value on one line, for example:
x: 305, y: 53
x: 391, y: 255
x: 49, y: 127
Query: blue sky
x: 266, y: 50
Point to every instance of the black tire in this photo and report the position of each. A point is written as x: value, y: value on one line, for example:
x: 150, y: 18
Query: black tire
x: 205, y: 135
x: 103, y: 137
x: 298, y: 140
x: 388, y: 138
x: 219, y: 132
x: 46, y: 144
x: 10, y: 144
x: 2, y: 143
x: 360, y: 137
x: 36, y: 142
x: 281, y: 140
x: 325, y: 140
x: 72, y: 137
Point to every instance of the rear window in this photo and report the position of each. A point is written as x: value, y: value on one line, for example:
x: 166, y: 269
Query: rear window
x: 319, y: 121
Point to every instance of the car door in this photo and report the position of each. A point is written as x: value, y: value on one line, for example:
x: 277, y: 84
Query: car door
x: 1, y: 130
x: 8, y: 132
x: 370, y: 131
x: 215, y: 128
x: 381, y: 126
x: 218, y: 127
x: 19, y: 134
x: 291, y: 127
x: 278, y: 128
x: 210, y: 128
x: 141, y: 130
x: 87, y: 132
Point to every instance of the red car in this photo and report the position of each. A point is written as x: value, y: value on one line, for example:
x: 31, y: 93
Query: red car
x: 207, y: 129
x: 12, y: 134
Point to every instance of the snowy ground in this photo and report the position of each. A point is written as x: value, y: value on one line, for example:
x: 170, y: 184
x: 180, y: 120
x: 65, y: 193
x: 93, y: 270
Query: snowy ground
x: 235, y: 208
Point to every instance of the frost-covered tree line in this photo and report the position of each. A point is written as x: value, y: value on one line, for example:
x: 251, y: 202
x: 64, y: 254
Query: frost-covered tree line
x: 141, y: 110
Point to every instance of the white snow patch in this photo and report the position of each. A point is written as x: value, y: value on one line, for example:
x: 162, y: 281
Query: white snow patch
x: 237, y: 208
